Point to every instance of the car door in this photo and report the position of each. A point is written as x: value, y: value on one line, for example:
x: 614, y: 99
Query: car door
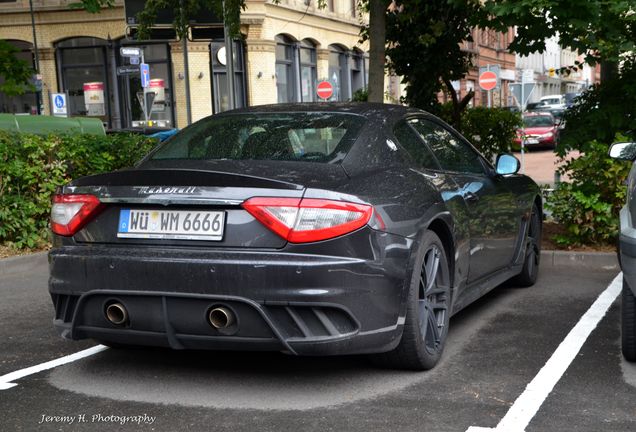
x: 493, y: 222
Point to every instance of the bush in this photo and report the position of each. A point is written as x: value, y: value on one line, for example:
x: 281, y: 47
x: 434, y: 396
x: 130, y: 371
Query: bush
x: 490, y: 130
x: 33, y: 166
x: 588, y: 206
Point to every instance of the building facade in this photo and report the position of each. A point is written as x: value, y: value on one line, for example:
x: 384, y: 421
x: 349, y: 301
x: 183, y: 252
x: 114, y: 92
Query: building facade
x: 285, y: 50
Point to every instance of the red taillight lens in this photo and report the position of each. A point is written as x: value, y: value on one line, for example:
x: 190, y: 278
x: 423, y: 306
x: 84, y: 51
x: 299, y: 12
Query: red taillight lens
x: 308, y: 220
x: 70, y: 213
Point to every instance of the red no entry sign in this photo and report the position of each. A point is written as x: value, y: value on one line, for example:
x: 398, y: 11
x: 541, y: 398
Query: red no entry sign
x: 324, y: 90
x: 488, y: 80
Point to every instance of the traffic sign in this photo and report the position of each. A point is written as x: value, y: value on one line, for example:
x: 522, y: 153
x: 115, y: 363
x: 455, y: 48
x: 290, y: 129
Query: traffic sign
x: 488, y: 80
x: 130, y: 52
x: 128, y: 70
x: 59, y: 105
x: 144, y: 69
x: 324, y: 90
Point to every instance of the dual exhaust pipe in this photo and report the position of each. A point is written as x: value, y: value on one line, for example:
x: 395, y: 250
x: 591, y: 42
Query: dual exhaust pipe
x: 219, y: 317
x: 117, y: 314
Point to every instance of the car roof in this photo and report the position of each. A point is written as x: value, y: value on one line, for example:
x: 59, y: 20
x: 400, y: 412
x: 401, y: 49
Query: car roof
x: 373, y: 111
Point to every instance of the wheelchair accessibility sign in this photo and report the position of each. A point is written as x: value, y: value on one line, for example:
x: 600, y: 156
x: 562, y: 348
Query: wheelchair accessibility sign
x: 59, y: 106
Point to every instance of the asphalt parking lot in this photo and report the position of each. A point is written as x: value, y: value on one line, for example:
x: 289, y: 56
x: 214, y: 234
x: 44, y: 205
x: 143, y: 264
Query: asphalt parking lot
x: 496, y: 348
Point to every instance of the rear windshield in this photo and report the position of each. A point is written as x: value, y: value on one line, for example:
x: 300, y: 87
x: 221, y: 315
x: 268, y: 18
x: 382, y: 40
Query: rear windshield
x: 313, y: 137
x: 538, y: 121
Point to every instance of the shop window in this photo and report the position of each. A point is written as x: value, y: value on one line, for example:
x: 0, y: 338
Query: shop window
x: 83, y: 72
x: 358, y: 72
x: 308, y: 74
x: 219, y: 73
x: 157, y: 56
x: 285, y: 76
x: 338, y: 74
x: 25, y: 103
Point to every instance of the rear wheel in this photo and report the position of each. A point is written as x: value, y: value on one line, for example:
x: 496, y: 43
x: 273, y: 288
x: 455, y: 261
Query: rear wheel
x: 628, y: 323
x: 530, y: 270
x: 428, y: 310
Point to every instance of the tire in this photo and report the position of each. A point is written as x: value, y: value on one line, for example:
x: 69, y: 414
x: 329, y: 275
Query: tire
x: 530, y: 270
x: 427, y: 312
x: 628, y: 323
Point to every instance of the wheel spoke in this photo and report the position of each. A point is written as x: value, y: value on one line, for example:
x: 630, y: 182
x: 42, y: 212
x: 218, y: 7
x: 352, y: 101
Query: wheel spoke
x: 432, y: 267
x: 434, y: 328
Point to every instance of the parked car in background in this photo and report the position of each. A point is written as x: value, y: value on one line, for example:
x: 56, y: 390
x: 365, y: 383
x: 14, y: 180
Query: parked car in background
x: 551, y: 102
x: 313, y: 229
x: 627, y: 252
x: 540, y: 129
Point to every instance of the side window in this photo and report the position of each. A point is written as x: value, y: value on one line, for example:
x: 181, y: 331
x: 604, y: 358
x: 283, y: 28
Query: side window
x: 412, y: 143
x: 452, y: 153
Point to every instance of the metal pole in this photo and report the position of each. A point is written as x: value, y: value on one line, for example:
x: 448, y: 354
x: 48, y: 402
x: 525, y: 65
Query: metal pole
x: 38, y: 93
x: 229, y: 61
x: 184, y: 43
x: 489, y: 91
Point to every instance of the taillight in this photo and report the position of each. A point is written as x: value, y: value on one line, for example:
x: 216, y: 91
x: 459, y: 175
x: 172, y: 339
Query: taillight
x: 70, y: 213
x: 308, y: 220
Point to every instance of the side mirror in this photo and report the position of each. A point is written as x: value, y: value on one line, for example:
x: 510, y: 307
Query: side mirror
x: 623, y: 151
x: 507, y: 164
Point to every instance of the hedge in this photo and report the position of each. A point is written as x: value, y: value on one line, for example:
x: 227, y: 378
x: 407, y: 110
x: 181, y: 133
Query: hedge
x: 33, y: 166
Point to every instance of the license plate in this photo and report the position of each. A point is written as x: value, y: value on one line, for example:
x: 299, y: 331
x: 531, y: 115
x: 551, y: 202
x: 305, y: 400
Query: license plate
x: 171, y: 224
x: 532, y: 141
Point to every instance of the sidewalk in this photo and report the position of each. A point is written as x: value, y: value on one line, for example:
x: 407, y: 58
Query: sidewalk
x: 540, y: 165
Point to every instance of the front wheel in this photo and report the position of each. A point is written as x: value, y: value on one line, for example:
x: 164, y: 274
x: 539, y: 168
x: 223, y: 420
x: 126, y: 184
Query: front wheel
x: 628, y: 323
x: 428, y: 310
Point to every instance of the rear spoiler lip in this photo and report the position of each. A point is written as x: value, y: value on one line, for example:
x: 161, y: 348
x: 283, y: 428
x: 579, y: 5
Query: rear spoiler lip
x: 188, y: 177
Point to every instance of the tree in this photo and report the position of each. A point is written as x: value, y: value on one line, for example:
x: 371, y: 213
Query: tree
x: 424, y: 47
x: 16, y: 73
x: 376, y: 34
x: 601, y: 30
x: 183, y: 10
x: 604, y: 32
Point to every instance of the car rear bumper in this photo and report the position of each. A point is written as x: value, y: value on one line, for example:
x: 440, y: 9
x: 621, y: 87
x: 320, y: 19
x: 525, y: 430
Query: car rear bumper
x: 298, y: 303
x: 627, y: 245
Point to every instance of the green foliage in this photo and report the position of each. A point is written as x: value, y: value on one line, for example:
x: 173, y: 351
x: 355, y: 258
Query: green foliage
x: 33, y: 166
x: 490, y: 130
x: 360, y: 95
x: 183, y: 11
x: 599, y: 29
x: 424, y: 46
x: 16, y: 73
x: 588, y: 205
x: 603, y: 111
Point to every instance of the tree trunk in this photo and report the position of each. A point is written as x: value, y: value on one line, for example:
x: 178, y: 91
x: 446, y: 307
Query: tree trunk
x: 609, y: 71
x: 377, y: 41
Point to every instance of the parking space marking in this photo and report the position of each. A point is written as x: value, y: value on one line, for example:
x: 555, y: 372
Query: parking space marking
x: 6, y: 380
x: 528, y: 403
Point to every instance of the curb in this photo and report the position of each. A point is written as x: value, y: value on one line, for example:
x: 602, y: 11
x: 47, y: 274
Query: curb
x: 597, y: 260
x: 22, y: 263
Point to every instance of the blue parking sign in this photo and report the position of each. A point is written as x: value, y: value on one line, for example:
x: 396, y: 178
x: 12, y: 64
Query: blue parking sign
x: 144, y: 69
x: 59, y: 105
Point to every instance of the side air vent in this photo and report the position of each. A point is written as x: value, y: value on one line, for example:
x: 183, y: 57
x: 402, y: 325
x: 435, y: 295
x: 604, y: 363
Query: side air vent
x: 308, y: 322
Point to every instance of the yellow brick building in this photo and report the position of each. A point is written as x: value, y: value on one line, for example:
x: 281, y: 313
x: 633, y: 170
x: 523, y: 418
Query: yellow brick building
x: 286, y: 49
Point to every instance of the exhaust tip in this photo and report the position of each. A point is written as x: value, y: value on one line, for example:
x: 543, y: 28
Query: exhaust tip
x: 117, y: 314
x: 221, y: 317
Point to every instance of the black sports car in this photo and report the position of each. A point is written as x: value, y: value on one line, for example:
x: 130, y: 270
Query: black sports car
x: 312, y: 229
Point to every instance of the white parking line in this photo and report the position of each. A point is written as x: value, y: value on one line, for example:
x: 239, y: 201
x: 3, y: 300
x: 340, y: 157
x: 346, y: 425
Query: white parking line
x: 528, y: 403
x: 5, y: 380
